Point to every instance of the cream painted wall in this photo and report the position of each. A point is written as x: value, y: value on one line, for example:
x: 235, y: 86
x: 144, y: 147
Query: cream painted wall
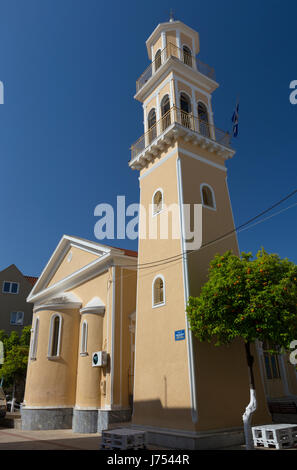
x: 162, y: 393
x: 125, y: 306
x: 79, y: 259
x: 70, y: 380
x: 186, y: 41
x: 157, y: 46
x: 52, y: 382
x: 171, y: 38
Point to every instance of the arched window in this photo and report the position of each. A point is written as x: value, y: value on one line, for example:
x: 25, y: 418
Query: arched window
x: 187, y: 55
x: 185, y: 106
x: 158, y: 291
x: 84, y: 338
x: 165, y: 111
x: 33, y: 351
x: 55, y: 336
x: 207, y: 196
x: 158, y: 60
x: 157, y: 202
x: 203, y: 119
x: 151, y: 121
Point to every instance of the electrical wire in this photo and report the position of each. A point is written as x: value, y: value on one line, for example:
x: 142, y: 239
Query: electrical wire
x: 241, y: 227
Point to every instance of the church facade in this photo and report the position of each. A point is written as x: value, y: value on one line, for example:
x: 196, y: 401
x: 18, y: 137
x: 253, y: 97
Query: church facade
x: 84, y: 303
x: 182, y: 390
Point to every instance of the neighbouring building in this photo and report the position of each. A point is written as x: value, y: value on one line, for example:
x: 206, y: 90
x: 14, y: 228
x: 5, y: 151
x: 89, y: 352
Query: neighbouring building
x: 15, y: 311
x: 92, y: 298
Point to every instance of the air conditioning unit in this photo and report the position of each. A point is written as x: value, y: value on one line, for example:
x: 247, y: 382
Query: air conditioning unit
x: 99, y: 359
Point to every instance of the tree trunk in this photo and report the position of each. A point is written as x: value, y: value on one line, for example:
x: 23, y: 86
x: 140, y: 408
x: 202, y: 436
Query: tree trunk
x: 252, y: 406
x: 13, y: 397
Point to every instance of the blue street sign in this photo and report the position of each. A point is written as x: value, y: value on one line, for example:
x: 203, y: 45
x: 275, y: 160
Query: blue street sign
x: 179, y: 335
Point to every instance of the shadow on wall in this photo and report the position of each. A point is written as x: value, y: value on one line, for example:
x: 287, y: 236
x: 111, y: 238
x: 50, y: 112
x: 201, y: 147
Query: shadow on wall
x: 153, y: 413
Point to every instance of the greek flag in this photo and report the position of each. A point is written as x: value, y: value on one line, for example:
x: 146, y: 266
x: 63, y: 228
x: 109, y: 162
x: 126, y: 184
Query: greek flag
x: 235, y: 121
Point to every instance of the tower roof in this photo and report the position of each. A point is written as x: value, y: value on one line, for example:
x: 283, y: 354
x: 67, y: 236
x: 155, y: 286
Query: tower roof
x: 169, y: 26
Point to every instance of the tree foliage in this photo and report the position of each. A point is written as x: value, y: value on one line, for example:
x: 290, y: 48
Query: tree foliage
x: 247, y: 298
x: 16, y: 350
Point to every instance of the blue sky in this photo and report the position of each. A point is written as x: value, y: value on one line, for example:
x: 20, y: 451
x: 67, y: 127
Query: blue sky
x: 69, y: 69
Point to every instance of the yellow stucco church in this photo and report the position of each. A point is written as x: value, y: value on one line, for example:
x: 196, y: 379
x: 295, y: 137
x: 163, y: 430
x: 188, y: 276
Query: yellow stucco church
x: 110, y: 337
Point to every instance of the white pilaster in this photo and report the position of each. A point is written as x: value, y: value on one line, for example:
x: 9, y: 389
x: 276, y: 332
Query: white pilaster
x: 163, y: 38
x: 194, y: 62
x: 178, y: 43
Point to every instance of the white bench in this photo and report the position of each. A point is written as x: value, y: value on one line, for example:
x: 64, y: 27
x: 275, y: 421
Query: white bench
x: 123, y: 438
x: 277, y: 436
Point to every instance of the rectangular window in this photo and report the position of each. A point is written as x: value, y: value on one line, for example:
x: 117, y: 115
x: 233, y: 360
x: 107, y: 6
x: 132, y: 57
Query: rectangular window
x: 271, y: 362
x: 10, y: 287
x: 17, y: 318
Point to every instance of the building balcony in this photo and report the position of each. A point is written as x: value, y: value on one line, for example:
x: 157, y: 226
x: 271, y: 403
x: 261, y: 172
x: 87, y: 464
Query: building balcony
x: 174, y: 124
x: 172, y: 51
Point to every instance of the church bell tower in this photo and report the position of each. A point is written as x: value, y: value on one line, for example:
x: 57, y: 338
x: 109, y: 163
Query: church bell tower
x: 181, y: 386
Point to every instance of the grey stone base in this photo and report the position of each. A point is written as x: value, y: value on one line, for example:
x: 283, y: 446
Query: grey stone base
x: 193, y: 441
x: 107, y: 417
x: 46, y: 418
x: 85, y: 421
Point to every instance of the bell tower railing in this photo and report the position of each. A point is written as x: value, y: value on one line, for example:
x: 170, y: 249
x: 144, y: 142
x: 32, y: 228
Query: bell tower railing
x: 186, y: 120
x: 173, y: 51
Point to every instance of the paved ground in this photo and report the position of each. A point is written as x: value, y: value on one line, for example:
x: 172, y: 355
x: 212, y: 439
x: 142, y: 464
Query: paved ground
x: 62, y: 439
x: 65, y: 439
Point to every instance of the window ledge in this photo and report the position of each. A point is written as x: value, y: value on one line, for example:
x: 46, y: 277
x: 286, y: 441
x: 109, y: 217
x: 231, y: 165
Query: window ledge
x: 159, y: 305
x: 209, y: 207
x: 53, y: 358
x: 155, y: 214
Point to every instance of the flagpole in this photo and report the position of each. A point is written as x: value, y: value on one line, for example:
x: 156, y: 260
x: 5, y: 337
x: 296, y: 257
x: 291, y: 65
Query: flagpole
x: 235, y: 111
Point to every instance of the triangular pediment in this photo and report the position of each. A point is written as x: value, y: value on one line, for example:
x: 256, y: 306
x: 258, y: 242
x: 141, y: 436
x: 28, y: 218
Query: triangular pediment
x: 72, y: 256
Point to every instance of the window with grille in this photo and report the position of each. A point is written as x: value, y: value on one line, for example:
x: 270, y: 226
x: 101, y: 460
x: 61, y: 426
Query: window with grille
x: 165, y: 111
x: 207, y: 197
x: 33, y: 352
x: 151, y: 121
x: 203, y: 120
x: 158, y: 291
x: 158, y: 60
x: 187, y: 55
x: 157, y: 202
x: 271, y: 362
x: 17, y: 318
x: 55, y: 336
x: 185, y: 106
x: 84, y: 338
x: 10, y: 287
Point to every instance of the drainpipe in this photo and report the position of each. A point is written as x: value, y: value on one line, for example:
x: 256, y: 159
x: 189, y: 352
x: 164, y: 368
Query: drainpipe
x: 113, y: 270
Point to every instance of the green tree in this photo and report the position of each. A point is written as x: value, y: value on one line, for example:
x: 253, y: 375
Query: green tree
x: 252, y: 299
x: 16, y: 350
